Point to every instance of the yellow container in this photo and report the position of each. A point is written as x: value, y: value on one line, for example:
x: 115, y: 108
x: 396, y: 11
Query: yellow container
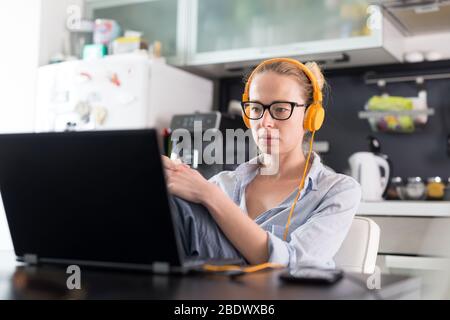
x: 435, y: 188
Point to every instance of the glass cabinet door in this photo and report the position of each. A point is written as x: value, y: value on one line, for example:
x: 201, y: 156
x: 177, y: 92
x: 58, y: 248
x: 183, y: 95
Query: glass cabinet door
x: 156, y: 19
x: 235, y: 25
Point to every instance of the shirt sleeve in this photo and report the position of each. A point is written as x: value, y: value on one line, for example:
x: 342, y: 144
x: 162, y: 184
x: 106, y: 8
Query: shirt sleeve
x: 316, y: 242
x: 225, y: 180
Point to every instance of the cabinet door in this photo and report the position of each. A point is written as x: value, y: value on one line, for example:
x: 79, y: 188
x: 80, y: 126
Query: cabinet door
x: 233, y: 30
x: 156, y: 19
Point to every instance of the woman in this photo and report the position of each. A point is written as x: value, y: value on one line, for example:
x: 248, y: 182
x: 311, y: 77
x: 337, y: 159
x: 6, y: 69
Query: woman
x: 246, y: 210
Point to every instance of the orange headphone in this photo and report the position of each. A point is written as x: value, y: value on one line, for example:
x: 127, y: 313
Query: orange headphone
x: 313, y: 120
x: 315, y: 112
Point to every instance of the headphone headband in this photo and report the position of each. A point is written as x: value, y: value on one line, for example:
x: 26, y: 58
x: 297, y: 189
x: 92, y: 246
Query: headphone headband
x: 317, y: 93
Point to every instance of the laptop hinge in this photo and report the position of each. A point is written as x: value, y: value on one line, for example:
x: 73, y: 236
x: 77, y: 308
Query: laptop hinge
x: 161, y: 267
x: 30, y: 258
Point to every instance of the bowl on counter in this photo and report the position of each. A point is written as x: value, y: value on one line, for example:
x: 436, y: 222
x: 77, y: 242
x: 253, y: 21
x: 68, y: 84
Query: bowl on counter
x: 414, y: 189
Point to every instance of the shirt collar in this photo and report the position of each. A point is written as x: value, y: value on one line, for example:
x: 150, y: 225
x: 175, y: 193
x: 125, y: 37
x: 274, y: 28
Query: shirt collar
x: 248, y: 170
x: 314, y: 171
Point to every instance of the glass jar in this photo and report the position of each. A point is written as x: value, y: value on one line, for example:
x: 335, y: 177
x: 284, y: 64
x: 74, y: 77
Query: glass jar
x: 394, y: 189
x: 415, y: 189
x: 435, y: 188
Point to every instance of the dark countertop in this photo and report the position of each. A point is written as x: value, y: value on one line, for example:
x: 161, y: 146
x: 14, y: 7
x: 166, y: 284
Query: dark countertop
x: 49, y: 282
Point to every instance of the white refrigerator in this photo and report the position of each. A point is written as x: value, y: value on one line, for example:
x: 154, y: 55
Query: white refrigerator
x: 125, y: 91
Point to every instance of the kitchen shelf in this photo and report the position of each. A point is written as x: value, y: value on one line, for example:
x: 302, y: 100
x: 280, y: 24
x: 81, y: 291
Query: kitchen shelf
x: 381, y: 114
x: 373, y: 78
x: 405, y: 208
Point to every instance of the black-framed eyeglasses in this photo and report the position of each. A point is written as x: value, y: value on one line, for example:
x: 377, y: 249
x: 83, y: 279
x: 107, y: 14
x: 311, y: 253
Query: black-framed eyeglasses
x: 279, y: 110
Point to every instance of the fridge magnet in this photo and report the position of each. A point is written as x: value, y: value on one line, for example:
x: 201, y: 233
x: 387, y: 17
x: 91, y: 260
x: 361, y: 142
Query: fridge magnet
x: 83, y: 109
x: 83, y: 77
x: 115, y: 80
x: 99, y: 114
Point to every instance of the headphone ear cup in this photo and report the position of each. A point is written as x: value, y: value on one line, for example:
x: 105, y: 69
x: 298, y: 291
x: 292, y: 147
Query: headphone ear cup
x: 314, y: 117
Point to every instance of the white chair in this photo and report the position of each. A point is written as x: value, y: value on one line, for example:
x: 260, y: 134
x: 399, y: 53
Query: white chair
x: 358, y: 252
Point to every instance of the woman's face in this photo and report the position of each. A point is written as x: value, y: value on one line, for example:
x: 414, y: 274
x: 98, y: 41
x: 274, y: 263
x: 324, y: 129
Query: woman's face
x: 277, y: 136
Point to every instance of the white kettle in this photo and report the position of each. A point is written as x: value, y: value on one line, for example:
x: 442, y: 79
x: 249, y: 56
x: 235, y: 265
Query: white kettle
x: 365, y: 168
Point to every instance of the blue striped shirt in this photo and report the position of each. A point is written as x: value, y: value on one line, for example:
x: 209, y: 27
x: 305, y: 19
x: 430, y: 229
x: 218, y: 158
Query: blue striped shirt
x: 320, y: 222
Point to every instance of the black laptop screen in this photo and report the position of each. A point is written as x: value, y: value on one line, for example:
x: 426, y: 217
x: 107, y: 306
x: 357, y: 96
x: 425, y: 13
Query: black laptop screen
x: 95, y: 196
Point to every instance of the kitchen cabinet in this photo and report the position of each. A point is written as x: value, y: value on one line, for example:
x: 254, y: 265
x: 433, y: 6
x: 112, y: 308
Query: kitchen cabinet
x: 164, y: 21
x: 227, y: 36
x: 221, y: 38
x: 237, y: 24
x: 414, y: 235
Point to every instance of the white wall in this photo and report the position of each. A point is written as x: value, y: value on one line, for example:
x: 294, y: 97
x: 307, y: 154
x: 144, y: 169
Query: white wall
x: 19, y: 46
x: 32, y: 32
x: 53, y: 32
x: 19, y: 52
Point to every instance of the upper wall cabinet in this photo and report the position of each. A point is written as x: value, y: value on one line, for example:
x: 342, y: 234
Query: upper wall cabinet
x: 220, y: 38
x: 162, y: 20
x: 226, y: 36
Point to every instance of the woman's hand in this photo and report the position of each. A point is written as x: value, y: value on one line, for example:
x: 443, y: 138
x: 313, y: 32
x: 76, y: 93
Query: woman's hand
x: 169, y: 164
x: 248, y: 238
x: 184, y: 182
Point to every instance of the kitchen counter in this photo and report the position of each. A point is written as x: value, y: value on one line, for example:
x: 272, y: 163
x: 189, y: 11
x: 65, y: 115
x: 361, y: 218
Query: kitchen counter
x: 405, y: 208
x: 414, y: 235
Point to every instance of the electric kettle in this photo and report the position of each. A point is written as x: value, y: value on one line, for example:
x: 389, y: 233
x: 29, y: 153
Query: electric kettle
x: 372, y: 172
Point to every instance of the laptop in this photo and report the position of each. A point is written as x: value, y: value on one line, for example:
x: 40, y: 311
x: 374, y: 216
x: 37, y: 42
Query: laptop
x: 90, y: 198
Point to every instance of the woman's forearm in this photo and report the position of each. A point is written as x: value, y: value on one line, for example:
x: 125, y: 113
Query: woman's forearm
x: 244, y: 233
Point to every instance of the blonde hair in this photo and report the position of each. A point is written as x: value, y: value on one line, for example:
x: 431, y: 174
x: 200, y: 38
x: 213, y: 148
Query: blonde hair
x: 290, y: 69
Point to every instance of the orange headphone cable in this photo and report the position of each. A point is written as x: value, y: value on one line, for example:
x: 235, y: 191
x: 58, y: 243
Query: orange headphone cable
x: 249, y: 269
x: 302, y: 182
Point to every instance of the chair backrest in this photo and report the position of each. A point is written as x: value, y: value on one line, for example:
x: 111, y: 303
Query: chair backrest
x: 358, y: 252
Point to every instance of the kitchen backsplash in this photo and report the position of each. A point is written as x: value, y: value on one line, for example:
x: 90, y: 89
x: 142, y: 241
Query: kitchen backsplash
x: 421, y: 153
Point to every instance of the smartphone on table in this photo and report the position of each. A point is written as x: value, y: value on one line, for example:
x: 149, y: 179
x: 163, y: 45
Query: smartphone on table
x: 312, y: 275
